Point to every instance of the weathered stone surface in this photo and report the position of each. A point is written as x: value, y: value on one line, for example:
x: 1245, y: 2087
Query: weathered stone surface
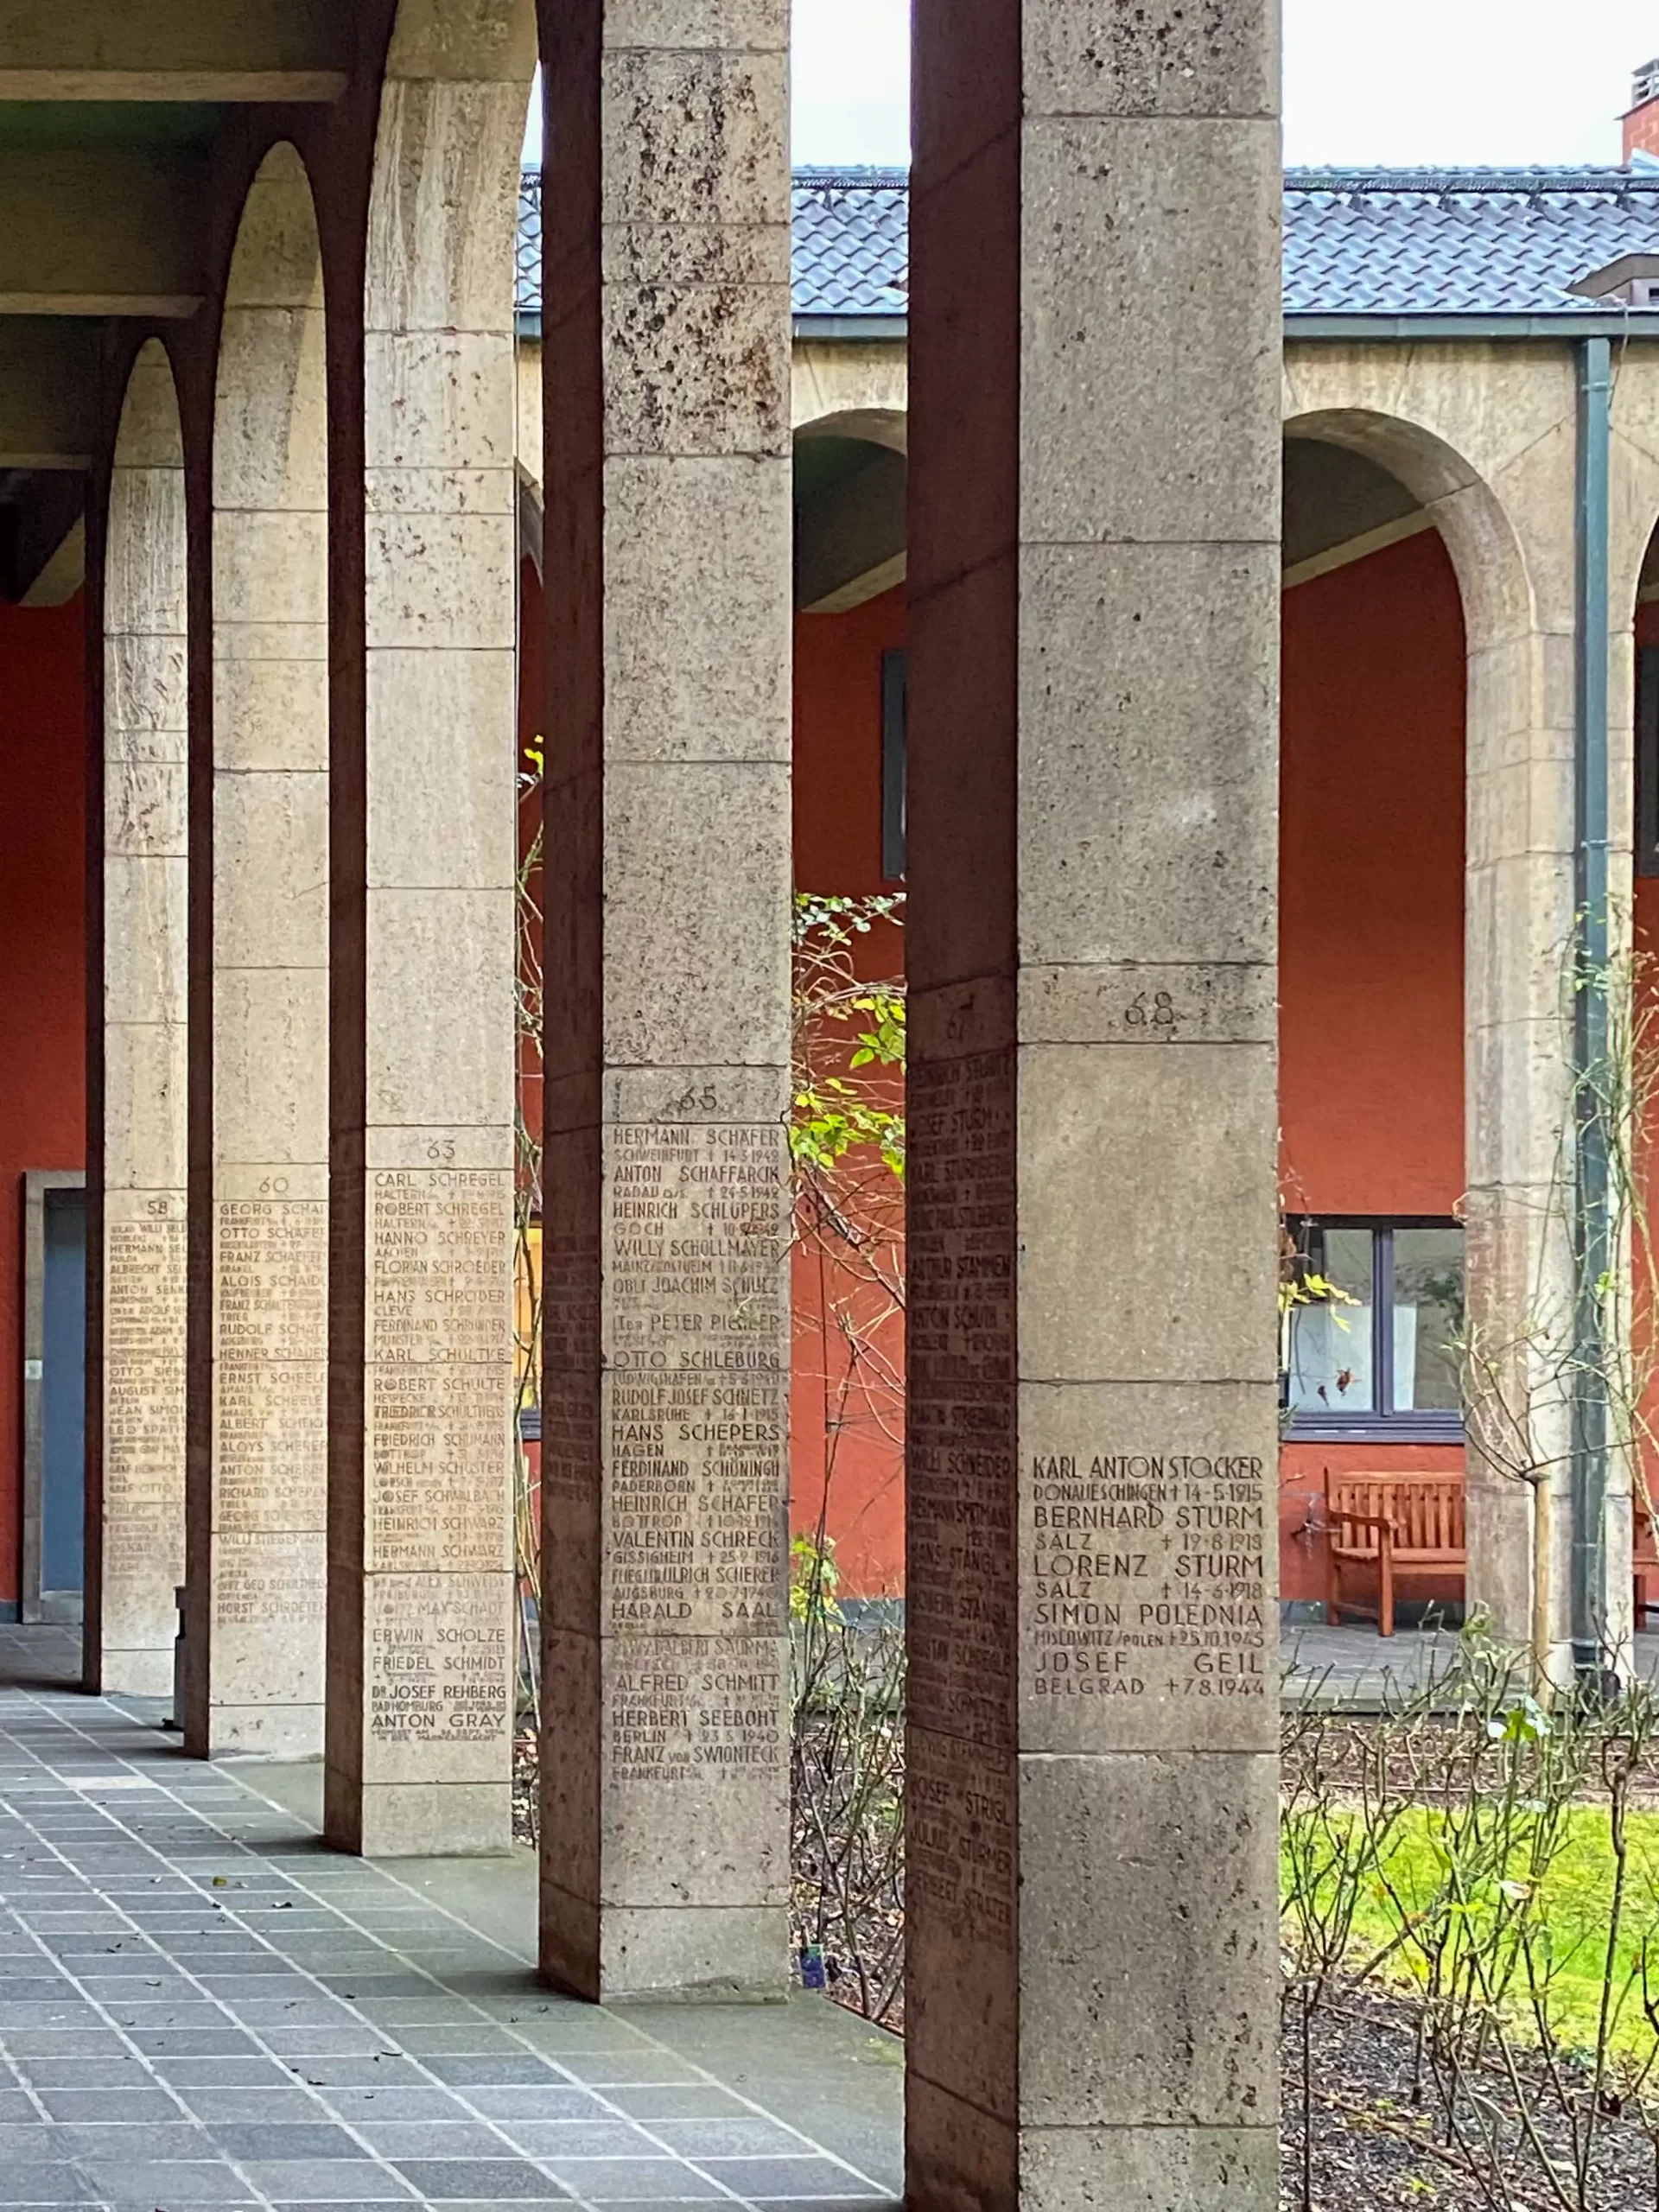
x: 1091, y: 1986
x: 665, y: 1332
x: 421, y: 1632
x: 135, y: 1539
x: 259, y: 1129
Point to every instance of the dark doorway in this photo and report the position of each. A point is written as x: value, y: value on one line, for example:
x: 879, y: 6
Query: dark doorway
x: 63, y: 1404
x: 55, y: 1392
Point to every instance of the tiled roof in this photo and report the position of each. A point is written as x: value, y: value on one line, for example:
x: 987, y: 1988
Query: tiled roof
x: 1356, y: 241
x: 1458, y: 242
x: 852, y: 241
x: 852, y: 251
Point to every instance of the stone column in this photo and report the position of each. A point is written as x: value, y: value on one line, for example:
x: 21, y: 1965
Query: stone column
x: 136, y: 1426
x: 665, y: 1829
x: 1092, y: 1983
x: 421, y: 1030
x: 260, y: 1099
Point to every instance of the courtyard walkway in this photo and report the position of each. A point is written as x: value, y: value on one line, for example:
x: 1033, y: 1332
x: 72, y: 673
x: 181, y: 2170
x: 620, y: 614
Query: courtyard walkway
x: 201, y: 2007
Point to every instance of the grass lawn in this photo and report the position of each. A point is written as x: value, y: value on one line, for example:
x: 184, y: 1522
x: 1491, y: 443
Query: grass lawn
x: 1489, y: 1898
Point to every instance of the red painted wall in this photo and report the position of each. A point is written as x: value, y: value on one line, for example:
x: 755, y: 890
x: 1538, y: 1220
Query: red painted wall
x: 1371, y: 896
x: 847, y: 1390
x: 42, y: 970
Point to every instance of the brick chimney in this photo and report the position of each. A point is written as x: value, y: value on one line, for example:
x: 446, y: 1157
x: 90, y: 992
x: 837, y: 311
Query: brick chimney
x: 1642, y: 123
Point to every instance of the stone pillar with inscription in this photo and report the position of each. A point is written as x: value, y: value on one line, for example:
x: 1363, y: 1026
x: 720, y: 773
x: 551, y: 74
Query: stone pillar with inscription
x: 259, y: 1099
x: 423, y: 869
x: 1091, y: 1988
x: 136, y: 1428
x: 664, y: 1830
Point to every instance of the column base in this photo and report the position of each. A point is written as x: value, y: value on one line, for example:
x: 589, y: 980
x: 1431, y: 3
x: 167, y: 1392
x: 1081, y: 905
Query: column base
x: 269, y: 1732
x: 133, y: 1673
x: 693, y: 1954
x: 417, y: 1820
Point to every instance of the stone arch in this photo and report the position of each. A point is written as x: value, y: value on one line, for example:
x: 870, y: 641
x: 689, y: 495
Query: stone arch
x: 1519, y: 830
x: 876, y: 426
x: 423, y: 868
x: 136, y: 1242
x: 259, y: 1118
x: 1491, y: 567
x: 851, y: 473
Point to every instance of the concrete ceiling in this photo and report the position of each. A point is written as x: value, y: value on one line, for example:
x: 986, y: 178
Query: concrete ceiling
x: 1336, y: 500
x: 108, y: 109
x: 849, y: 522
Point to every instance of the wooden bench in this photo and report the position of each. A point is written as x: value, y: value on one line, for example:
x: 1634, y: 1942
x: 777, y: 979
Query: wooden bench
x: 1393, y: 1526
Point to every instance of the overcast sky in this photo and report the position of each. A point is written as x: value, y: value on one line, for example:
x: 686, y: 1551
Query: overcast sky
x: 1415, y: 80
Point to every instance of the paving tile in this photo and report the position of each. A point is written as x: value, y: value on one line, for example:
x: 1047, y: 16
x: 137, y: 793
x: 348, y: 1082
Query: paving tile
x: 108, y: 2105
x: 879, y: 2202
x: 493, y: 2181
x: 354, y: 2069
x: 598, y: 2180
x: 544, y: 2098
x: 29, y: 2143
x: 55, y: 2185
x: 15, y: 2109
x: 749, y: 2137
x: 317, y: 2181
x: 391, y: 2100
x: 220, y: 2106
x: 397, y: 2139
x: 689, y: 2100
x: 151, y: 2142
x: 619, y: 2067
x: 197, y: 2181
x: 783, y: 2179
x: 580, y: 2138
x: 498, y: 2070
x: 288, y: 2140
x: 187, y: 2070
x: 194, y: 2043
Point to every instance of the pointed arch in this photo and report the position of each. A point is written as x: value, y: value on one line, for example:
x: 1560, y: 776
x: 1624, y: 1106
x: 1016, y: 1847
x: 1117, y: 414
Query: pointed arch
x: 259, y: 1106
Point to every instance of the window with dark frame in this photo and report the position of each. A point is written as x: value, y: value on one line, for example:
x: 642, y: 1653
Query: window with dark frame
x: 1647, y: 760
x: 895, y: 731
x: 1369, y: 1346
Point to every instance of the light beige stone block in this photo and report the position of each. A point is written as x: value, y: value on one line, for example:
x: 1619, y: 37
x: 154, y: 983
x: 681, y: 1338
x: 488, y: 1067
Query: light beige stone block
x: 431, y: 395
x: 1150, y: 222
x: 1086, y: 1168
x: 705, y: 955
x: 693, y: 665
x: 1160, y: 60
x: 144, y: 942
x: 144, y: 806
x: 270, y: 566
x: 710, y: 127
x: 143, y: 1110
x: 443, y: 210
x: 271, y: 1029
x: 270, y: 706
x: 442, y: 773
x: 264, y: 352
x: 441, y: 1050
x: 271, y: 837
x: 442, y: 580
x: 144, y: 696
x: 1133, y: 784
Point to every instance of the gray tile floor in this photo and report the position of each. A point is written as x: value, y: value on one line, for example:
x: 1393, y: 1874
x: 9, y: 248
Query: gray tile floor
x: 202, y: 2008
x: 1356, y: 1666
